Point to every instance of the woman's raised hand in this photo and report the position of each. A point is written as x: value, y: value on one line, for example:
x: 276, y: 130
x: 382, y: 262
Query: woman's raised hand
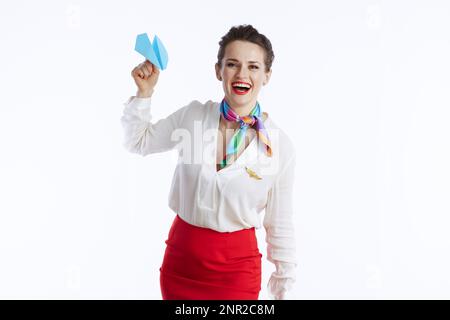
x: 145, y: 76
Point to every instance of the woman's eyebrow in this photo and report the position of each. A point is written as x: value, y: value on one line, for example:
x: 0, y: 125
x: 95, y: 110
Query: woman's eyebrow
x: 231, y: 59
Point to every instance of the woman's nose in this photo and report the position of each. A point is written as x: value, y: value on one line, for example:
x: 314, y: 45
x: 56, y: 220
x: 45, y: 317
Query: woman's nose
x: 242, y: 72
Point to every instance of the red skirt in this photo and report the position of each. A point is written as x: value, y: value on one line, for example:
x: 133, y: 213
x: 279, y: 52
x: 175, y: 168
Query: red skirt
x: 203, y: 264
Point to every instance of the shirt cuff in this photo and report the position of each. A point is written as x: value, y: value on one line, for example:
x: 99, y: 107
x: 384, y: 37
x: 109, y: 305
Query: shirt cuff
x: 139, y: 103
x: 282, y: 280
x: 139, y: 107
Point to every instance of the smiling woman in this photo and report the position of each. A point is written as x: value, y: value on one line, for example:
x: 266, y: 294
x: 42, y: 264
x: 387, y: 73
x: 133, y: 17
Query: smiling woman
x: 212, y: 251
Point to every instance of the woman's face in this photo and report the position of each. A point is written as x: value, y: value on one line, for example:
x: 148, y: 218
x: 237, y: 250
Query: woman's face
x: 243, y: 62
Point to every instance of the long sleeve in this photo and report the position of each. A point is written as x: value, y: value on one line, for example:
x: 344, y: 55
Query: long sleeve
x: 141, y: 135
x: 280, y: 233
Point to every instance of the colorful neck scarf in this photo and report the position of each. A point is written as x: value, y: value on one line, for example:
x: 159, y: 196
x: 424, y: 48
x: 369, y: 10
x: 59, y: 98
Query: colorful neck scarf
x: 252, y: 120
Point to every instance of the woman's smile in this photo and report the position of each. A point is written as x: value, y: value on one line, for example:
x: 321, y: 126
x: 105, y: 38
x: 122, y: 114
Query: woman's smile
x: 240, y: 87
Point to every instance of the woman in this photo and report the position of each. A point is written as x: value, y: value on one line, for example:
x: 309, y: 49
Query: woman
x: 218, y: 194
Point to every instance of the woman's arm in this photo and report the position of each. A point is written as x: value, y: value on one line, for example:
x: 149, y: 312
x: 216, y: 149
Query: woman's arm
x: 280, y: 233
x: 141, y: 135
x: 144, y: 137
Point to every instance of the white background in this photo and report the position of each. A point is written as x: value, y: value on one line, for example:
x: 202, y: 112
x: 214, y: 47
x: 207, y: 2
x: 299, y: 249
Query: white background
x: 362, y: 87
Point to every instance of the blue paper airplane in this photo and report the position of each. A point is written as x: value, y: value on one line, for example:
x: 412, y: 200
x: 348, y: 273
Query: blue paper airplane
x: 156, y: 52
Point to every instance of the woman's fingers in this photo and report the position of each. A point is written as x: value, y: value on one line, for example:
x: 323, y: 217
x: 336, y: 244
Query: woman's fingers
x: 143, y: 70
x: 137, y: 72
x: 145, y: 74
x: 148, y: 66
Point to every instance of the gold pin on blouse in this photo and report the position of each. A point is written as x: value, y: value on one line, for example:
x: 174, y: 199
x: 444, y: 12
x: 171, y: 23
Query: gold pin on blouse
x: 252, y: 174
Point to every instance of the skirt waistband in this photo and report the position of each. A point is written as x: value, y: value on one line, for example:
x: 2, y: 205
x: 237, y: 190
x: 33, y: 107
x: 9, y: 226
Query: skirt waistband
x: 185, y: 235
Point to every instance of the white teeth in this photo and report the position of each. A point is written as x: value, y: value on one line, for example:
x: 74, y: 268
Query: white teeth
x: 242, y: 85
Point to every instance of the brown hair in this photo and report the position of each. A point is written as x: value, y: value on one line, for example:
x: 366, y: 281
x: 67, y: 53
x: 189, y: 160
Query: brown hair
x: 246, y: 33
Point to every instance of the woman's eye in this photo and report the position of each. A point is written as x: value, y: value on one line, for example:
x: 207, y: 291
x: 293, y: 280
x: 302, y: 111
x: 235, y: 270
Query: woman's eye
x: 230, y: 64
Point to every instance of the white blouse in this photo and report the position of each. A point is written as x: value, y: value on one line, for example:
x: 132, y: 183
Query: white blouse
x: 232, y: 198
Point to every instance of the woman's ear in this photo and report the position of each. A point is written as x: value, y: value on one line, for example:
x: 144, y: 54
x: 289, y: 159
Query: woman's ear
x: 268, y: 74
x: 217, y: 67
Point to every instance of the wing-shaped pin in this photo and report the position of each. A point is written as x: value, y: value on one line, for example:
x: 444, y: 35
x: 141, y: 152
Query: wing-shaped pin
x: 156, y: 52
x: 252, y: 174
